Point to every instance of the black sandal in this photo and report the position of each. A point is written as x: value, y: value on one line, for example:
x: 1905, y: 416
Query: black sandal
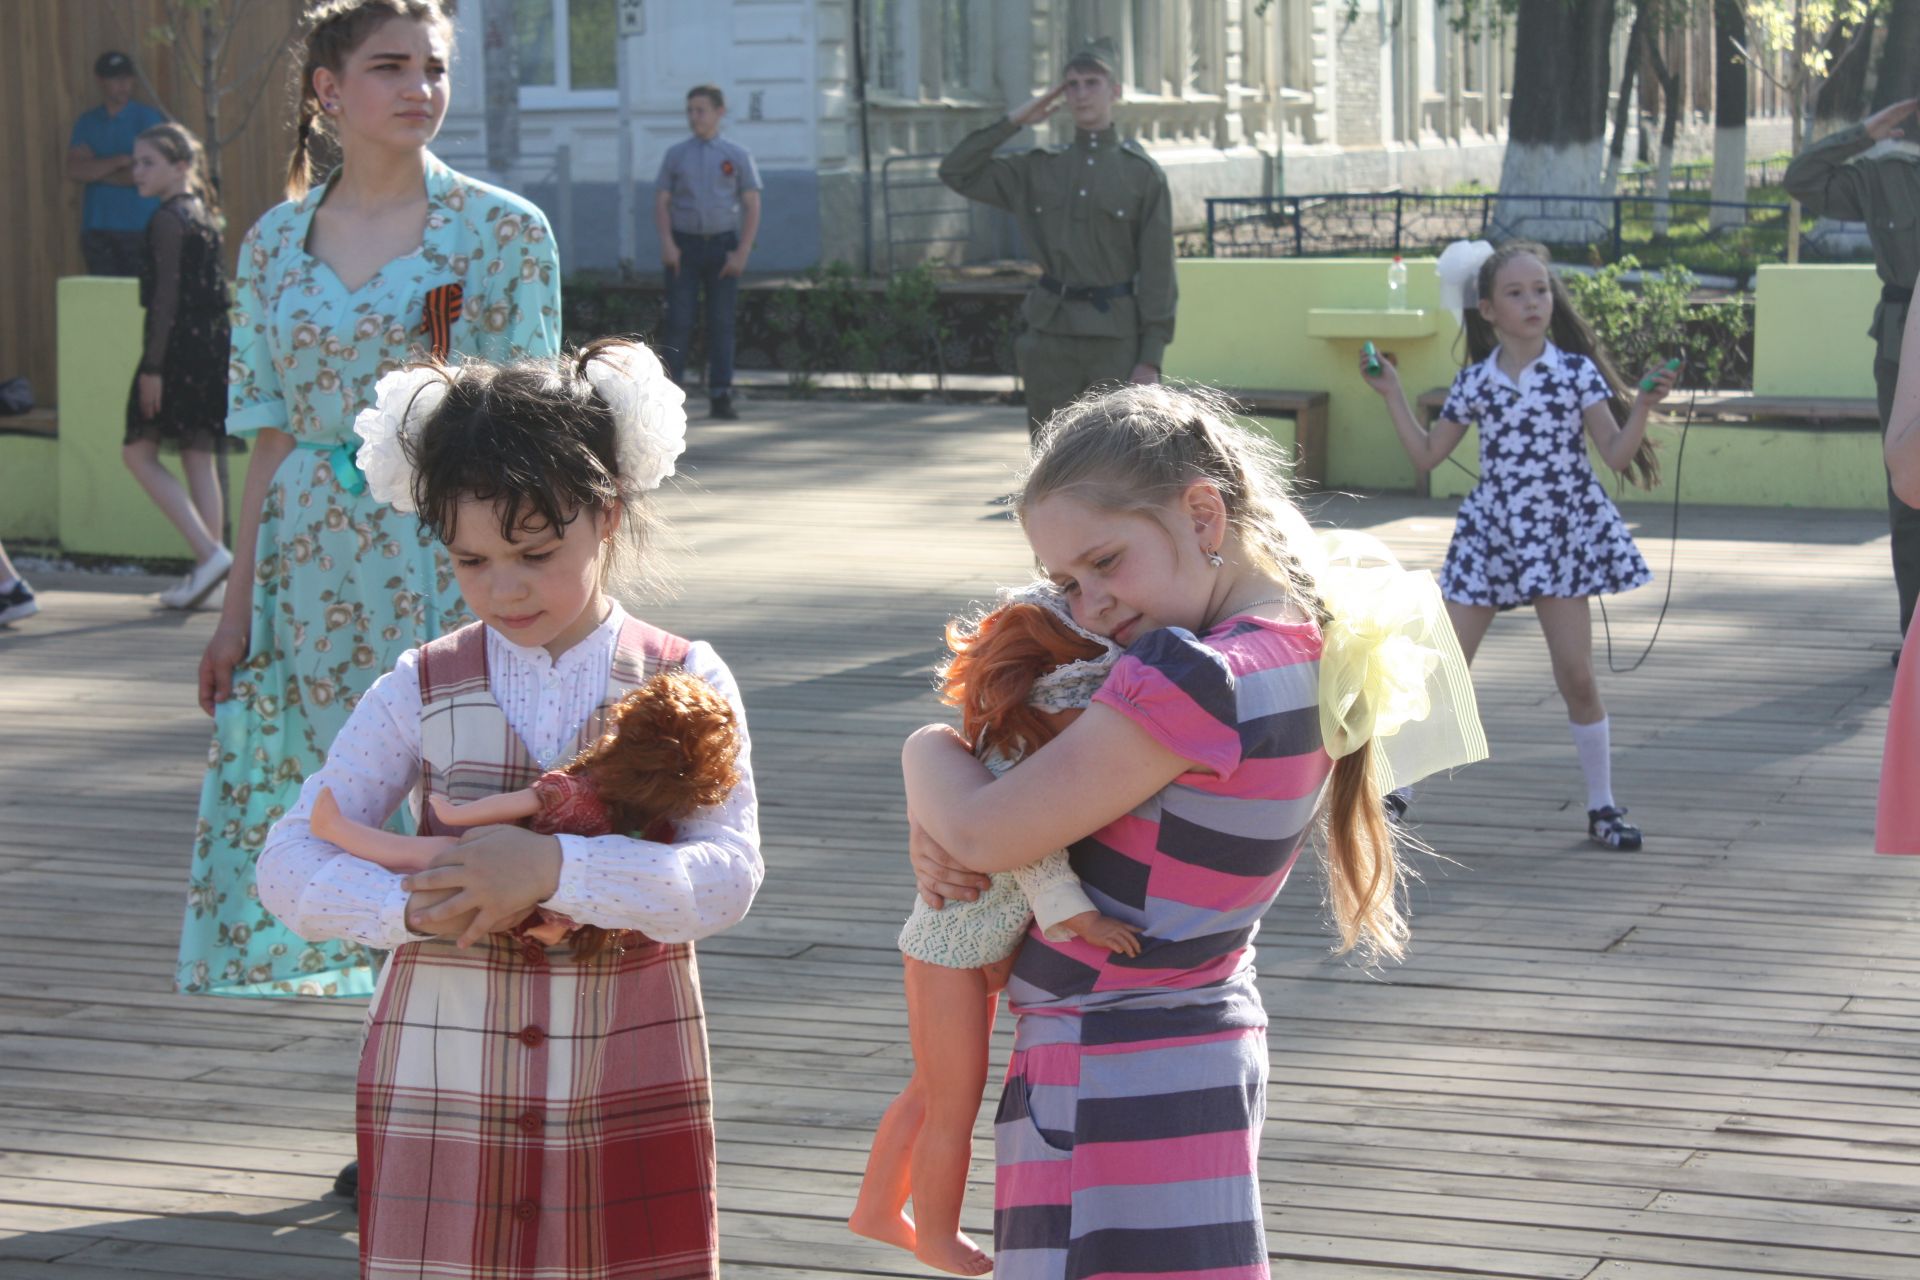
x: 1609, y: 827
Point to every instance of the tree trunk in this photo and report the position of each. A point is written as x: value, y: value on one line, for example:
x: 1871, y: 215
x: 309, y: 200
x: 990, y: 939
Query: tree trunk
x: 1558, y: 124
x: 502, y: 80
x: 210, y: 36
x: 1729, y: 114
x: 1898, y: 72
x: 1843, y: 96
x: 1623, y: 104
x: 1669, y: 78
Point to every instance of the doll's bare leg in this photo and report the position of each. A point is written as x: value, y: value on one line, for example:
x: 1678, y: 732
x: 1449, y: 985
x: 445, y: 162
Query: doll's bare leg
x: 504, y: 809
x: 381, y: 847
x: 950, y: 1018
x: 881, y: 1211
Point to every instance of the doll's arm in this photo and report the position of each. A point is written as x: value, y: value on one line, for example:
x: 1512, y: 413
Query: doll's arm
x: 317, y: 889
x: 502, y: 810
x: 1063, y: 910
x: 377, y: 845
x: 1054, y: 893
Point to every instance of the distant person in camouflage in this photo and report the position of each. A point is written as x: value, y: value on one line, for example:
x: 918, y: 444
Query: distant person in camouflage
x: 1834, y: 179
x: 1097, y: 213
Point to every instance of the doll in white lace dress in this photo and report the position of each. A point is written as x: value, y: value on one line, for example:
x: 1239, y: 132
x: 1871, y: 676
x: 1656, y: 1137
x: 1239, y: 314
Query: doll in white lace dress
x: 1019, y: 675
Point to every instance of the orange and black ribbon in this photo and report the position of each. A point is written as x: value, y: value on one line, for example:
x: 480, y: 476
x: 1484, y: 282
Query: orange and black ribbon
x: 442, y: 309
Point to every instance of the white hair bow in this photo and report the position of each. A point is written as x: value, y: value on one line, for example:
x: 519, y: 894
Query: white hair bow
x: 649, y: 412
x: 1459, y: 272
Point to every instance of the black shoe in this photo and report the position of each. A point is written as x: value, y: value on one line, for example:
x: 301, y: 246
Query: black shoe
x: 17, y: 603
x: 721, y: 407
x: 347, y: 1182
x: 1609, y: 827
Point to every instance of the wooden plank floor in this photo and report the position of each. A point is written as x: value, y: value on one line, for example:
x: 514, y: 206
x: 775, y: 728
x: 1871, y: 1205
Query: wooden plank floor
x: 1695, y: 1062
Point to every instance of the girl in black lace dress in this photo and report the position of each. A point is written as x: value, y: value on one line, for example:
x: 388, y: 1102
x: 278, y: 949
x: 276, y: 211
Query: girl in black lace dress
x: 179, y: 395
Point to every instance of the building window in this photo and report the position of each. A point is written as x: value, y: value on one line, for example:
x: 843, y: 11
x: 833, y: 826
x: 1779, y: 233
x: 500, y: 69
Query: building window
x: 884, y: 43
x: 567, y: 46
x: 925, y: 50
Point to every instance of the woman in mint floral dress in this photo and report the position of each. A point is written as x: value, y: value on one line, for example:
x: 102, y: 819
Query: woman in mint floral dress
x: 340, y: 585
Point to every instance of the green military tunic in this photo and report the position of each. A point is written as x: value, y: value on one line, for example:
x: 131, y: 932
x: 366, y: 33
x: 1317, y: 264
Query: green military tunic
x: 1884, y: 193
x: 1097, y: 213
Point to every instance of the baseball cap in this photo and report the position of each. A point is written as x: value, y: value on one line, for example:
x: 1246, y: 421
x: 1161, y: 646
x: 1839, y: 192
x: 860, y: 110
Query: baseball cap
x: 112, y: 64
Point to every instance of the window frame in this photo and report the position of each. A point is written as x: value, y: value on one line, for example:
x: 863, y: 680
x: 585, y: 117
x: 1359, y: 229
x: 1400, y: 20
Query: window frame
x: 561, y: 94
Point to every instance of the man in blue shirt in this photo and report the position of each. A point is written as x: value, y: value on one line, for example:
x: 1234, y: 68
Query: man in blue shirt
x: 113, y: 222
x: 707, y: 210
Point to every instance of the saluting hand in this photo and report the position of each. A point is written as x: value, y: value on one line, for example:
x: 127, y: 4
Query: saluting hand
x: 1885, y: 123
x: 1041, y: 107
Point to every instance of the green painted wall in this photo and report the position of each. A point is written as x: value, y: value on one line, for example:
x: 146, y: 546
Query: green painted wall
x: 1764, y: 465
x: 1244, y: 323
x: 1250, y: 324
x: 102, y: 509
x: 1810, y: 330
x: 29, y: 511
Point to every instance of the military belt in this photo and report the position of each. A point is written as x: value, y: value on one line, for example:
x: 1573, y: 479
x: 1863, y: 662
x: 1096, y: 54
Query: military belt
x: 1098, y: 294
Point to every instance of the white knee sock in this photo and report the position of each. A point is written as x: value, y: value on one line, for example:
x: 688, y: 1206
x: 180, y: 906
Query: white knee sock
x: 1596, y: 761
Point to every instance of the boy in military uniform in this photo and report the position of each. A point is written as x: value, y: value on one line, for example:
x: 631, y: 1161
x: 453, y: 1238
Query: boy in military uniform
x: 1833, y: 179
x: 1097, y: 213
x: 707, y: 211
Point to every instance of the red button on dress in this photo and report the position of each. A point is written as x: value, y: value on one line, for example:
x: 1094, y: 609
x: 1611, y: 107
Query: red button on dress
x: 530, y: 1122
x: 525, y: 1210
x: 533, y: 1037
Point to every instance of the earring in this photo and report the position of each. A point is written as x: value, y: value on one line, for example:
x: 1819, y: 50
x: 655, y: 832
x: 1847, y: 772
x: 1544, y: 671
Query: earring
x: 1213, y: 560
x: 330, y: 107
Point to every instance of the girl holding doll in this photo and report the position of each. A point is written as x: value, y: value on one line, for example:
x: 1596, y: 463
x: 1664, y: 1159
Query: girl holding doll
x: 526, y: 1110
x: 1260, y: 670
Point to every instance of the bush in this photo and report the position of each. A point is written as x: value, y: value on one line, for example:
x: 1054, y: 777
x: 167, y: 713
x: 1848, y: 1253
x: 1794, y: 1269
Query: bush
x: 1650, y: 324
x: 835, y: 321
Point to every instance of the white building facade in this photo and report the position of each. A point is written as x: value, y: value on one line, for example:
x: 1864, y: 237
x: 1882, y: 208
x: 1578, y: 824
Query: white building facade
x: 845, y: 102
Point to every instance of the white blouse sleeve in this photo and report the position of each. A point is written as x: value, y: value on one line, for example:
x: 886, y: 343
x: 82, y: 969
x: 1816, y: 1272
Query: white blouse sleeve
x: 677, y: 892
x: 317, y: 889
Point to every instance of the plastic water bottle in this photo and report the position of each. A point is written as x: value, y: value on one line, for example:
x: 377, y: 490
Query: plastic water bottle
x: 1397, y: 286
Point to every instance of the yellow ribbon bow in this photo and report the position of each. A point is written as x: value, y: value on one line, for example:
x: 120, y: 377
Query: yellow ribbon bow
x: 1390, y: 668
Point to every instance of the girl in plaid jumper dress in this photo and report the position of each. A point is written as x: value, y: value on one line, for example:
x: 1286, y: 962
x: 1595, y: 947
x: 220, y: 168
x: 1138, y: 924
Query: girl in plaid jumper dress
x: 524, y: 1109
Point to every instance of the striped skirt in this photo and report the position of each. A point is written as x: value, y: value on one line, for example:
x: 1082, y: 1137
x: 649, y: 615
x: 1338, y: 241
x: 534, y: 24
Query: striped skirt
x: 1129, y: 1149
x: 523, y: 1117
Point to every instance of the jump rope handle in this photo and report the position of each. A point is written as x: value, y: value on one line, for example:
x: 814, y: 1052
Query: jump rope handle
x: 1372, y: 353
x: 1646, y: 383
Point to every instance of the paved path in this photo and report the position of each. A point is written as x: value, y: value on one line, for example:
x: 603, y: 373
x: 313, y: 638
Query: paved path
x: 1696, y: 1062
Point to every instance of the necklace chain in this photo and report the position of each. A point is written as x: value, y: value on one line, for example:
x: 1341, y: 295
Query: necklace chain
x: 1251, y: 604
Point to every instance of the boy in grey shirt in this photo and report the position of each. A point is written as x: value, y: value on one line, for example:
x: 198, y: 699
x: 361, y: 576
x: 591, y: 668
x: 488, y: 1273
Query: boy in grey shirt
x: 707, y: 210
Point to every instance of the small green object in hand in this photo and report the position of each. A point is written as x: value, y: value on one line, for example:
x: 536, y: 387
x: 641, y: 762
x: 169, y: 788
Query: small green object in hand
x: 1646, y: 383
x: 1373, y: 358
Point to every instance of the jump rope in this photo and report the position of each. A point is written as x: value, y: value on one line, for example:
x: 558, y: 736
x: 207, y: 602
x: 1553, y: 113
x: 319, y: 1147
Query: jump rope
x: 1372, y: 355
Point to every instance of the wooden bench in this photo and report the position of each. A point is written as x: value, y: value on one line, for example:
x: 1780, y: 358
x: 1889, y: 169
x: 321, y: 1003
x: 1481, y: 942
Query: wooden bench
x: 1308, y: 409
x: 34, y: 422
x: 1824, y: 410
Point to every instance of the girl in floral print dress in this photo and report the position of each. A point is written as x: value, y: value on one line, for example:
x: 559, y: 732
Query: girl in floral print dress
x: 392, y: 258
x: 1538, y: 528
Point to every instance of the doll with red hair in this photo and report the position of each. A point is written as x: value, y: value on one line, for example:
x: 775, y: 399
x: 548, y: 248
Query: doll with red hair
x: 672, y: 747
x: 1019, y: 675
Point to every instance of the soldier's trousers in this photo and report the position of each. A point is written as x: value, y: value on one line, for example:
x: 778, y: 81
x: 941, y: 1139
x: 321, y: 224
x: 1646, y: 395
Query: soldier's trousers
x: 1057, y: 368
x: 1903, y: 519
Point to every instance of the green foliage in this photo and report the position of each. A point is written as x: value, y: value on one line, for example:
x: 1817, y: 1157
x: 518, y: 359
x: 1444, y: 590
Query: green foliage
x: 1645, y: 325
x: 833, y: 320
x: 1807, y: 31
